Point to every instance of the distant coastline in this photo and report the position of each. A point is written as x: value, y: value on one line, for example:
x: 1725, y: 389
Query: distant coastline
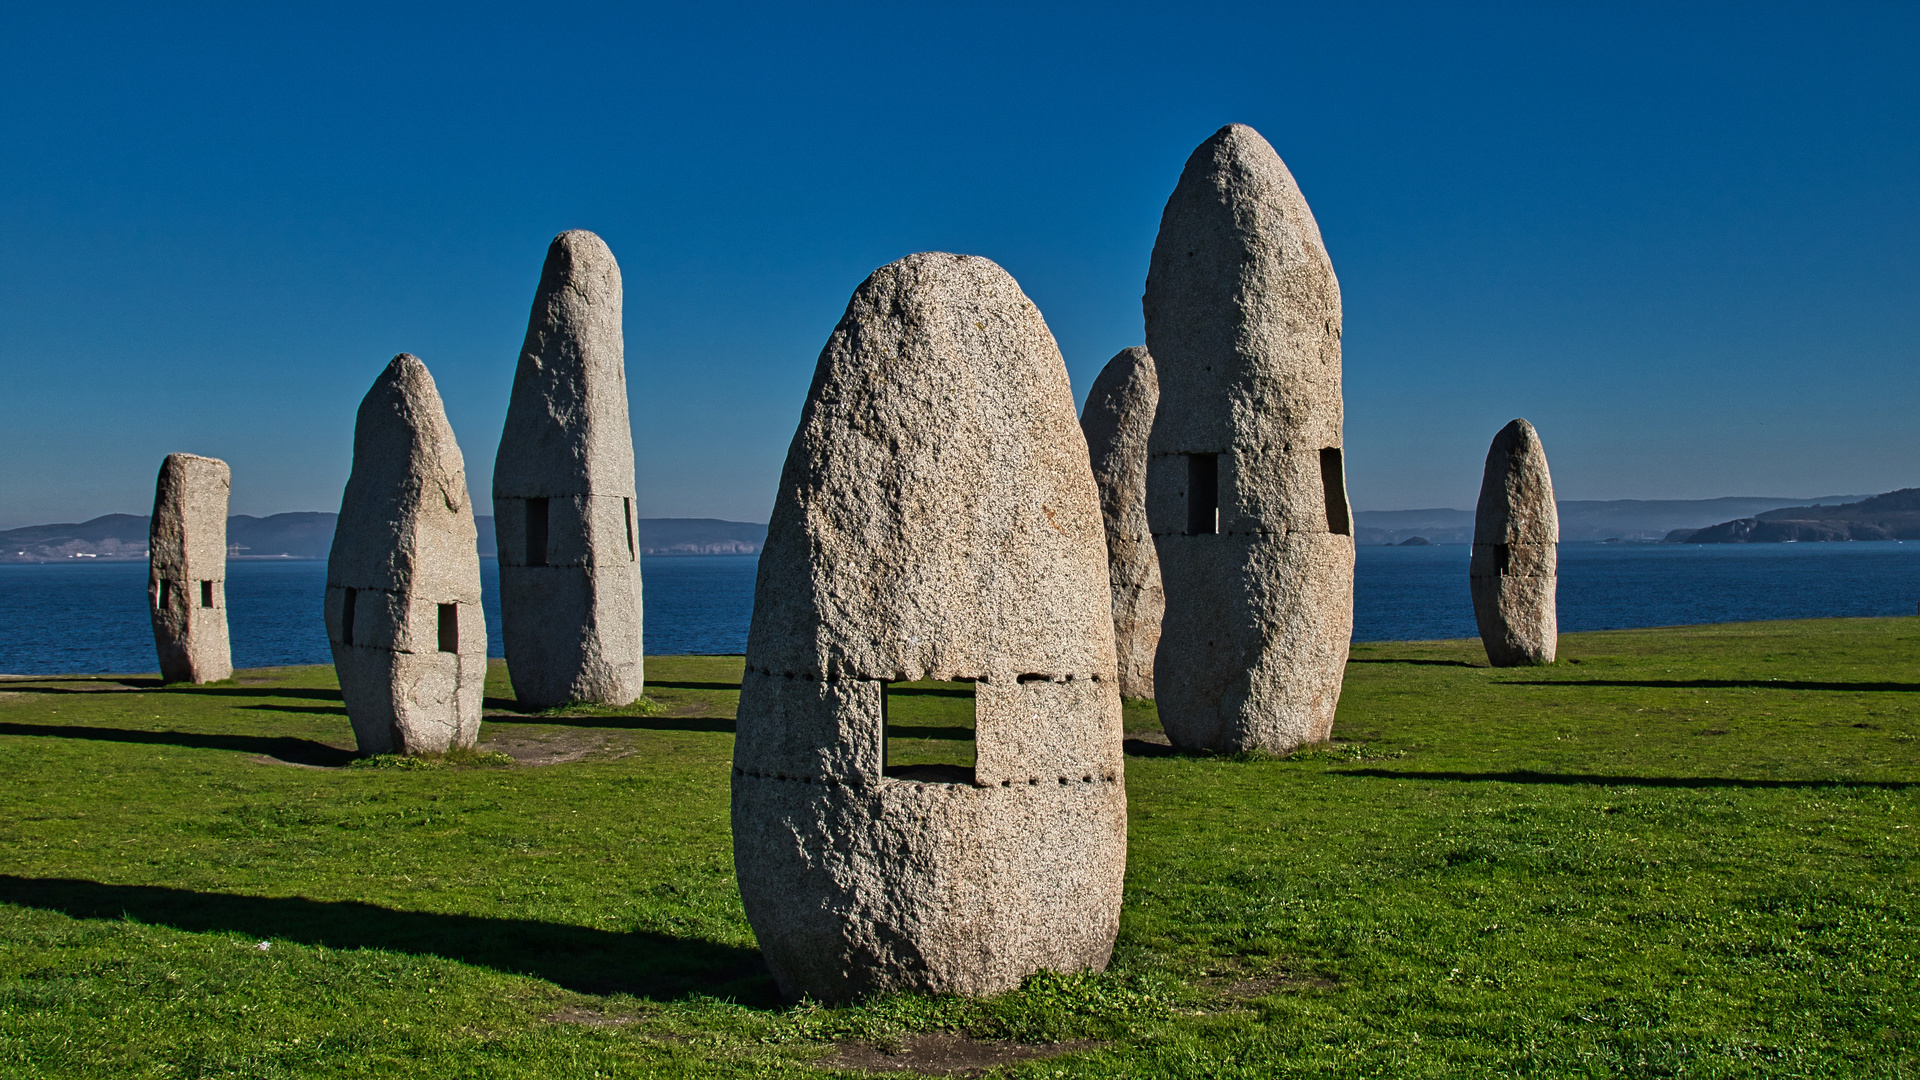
x: 309, y: 535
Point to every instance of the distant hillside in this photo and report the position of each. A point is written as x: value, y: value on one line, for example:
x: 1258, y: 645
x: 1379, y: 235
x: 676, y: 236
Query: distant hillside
x: 310, y: 535
x: 1580, y: 519
x: 1893, y: 516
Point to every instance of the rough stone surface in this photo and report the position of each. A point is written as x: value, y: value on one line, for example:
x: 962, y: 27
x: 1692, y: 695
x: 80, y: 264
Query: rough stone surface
x: 1516, y: 535
x: 403, y: 580
x: 1243, y: 320
x: 563, y: 493
x: 936, y: 519
x: 1117, y: 421
x: 187, y: 569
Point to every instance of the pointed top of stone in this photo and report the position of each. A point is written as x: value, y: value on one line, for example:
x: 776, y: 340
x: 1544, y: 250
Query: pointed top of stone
x: 567, y: 432
x: 189, y: 524
x: 408, y: 488
x: 937, y: 517
x: 1516, y: 492
x: 1242, y: 301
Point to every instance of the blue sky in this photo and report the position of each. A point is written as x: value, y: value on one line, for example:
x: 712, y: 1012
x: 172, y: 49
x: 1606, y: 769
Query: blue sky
x: 1683, y: 240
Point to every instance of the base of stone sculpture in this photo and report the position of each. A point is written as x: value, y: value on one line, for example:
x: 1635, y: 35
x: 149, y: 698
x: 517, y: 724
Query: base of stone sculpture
x: 1246, y: 687
x: 1512, y: 642
x: 410, y: 703
x: 928, y: 887
x: 549, y: 659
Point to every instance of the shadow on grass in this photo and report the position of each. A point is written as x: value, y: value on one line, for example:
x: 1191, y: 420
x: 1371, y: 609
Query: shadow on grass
x: 929, y: 691
x: 1526, y: 777
x: 1144, y: 748
x: 131, y: 682
x: 321, y: 710
x: 907, y: 731
x: 693, y: 685
x: 578, y: 958
x: 1430, y: 663
x: 145, y: 685
x: 631, y: 723
x: 1722, y: 684
x: 286, y: 748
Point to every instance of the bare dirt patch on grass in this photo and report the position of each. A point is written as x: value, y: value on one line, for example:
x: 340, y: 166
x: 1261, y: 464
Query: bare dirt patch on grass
x: 946, y: 1055
x: 557, y: 746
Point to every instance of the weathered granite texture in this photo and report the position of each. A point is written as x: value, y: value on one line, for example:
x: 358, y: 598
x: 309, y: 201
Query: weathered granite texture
x: 563, y: 493
x: 1516, y: 535
x: 936, y: 519
x: 1117, y: 420
x: 1246, y: 488
x: 187, y: 569
x: 403, y: 579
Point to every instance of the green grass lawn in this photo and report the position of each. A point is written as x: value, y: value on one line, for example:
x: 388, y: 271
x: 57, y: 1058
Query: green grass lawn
x: 1680, y: 852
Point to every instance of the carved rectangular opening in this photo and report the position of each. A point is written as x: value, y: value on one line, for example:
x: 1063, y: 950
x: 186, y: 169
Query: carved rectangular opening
x: 206, y: 594
x: 1333, y: 480
x: 160, y: 597
x: 1502, y: 559
x: 450, y: 628
x: 626, y: 512
x: 927, y: 731
x: 348, y: 596
x: 536, y: 532
x: 1203, y: 494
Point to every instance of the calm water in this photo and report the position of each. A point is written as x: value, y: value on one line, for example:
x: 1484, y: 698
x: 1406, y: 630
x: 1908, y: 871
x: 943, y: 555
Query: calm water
x: 92, y: 617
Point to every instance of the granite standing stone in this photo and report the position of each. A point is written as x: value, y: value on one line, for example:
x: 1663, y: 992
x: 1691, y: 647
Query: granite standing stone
x: 936, y: 519
x: 1246, y: 487
x: 1516, y: 536
x: 187, y: 569
x: 1117, y: 421
x: 563, y: 493
x: 403, y: 580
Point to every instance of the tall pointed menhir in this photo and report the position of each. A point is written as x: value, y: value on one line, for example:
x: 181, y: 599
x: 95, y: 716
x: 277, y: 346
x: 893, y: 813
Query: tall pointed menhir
x: 936, y: 519
x: 563, y: 492
x: 1117, y: 421
x: 1516, y: 534
x: 187, y: 569
x: 1246, y: 490
x: 403, y: 579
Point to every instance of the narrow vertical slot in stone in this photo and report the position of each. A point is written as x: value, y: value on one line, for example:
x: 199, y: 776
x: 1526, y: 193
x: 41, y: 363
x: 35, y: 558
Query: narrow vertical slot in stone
x: 626, y: 512
x: 347, y: 597
x: 536, y: 532
x: 1502, y: 559
x: 450, y: 628
x: 206, y: 594
x: 1203, y: 494
x: 885, y: 731
x: 1333, y: 480
x: 160, y: 599
x: 933, y: 723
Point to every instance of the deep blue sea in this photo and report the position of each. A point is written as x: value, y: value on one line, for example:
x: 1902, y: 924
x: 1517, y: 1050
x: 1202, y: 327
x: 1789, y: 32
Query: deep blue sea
x: 92, y: 617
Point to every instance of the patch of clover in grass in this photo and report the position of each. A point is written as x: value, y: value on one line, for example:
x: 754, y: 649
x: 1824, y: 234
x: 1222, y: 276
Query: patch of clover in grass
x: 1343, y: 752
x: 1049, y: 1007
x: 642, y: 706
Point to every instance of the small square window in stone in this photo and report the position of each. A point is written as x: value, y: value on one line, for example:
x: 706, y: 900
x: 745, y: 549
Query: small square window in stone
x: 929, y: 729
x: 206, y: 594
x: 450, y: 628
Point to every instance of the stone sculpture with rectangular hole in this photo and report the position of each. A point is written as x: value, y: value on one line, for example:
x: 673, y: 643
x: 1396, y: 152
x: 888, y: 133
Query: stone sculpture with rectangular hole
x: 1246, y: 488
x: 937, y: 518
